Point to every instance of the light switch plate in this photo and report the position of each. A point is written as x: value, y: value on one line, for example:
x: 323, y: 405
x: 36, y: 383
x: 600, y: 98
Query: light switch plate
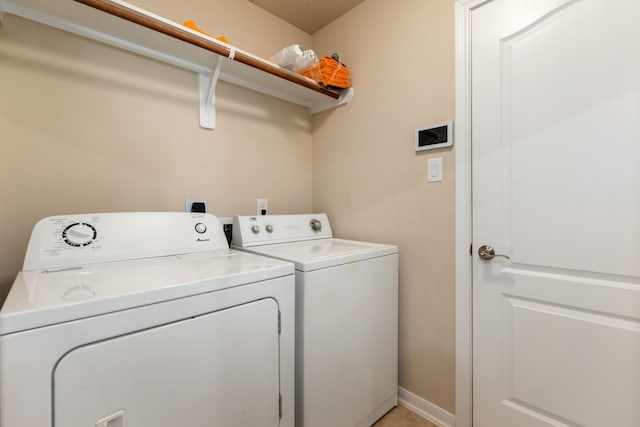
x: 434, y: 169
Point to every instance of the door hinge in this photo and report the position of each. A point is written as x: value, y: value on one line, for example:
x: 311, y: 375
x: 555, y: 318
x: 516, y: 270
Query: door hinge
x: 279, y: 323
x: 280, y: 405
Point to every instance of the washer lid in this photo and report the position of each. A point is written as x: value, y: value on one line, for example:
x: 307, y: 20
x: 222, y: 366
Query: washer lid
x: 47, y: 297
x: 323, y: 253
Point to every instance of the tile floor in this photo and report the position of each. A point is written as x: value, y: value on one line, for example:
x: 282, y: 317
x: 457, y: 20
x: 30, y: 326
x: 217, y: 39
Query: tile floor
x: 402, y: 417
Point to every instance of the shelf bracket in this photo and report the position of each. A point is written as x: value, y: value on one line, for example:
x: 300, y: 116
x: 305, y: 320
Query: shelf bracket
x: 207, y: 82
x: 326, y: 104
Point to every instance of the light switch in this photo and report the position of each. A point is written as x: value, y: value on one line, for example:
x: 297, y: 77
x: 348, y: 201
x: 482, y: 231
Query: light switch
x: 434, y: 170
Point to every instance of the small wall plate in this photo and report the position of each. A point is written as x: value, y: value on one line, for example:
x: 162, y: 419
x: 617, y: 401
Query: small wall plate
x: 438, y: 135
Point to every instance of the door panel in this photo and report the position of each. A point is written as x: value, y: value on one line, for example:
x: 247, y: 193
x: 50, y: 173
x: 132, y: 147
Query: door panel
x: 219, y: 369
x: 544, y: 358
x: 572, y: 86
x: 556, y: 171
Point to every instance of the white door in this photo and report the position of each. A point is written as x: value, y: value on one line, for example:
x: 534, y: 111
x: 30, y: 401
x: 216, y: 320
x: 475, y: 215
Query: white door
x: 556, y: 186
x: 218, y: 369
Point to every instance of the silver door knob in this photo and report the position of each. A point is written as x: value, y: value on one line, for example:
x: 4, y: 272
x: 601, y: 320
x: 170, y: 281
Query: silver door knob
x: 487, y: 253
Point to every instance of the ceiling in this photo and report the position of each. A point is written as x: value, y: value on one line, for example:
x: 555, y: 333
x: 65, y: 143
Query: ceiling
x: 308, y: 15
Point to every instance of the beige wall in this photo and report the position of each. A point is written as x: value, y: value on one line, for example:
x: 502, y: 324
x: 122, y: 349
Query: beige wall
x: 373, y: 185
x: 89, y: 128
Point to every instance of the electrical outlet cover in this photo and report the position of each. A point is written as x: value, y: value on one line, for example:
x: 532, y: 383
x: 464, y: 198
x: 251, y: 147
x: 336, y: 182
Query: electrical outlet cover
x: 262, y: 206
x: 188, y: 205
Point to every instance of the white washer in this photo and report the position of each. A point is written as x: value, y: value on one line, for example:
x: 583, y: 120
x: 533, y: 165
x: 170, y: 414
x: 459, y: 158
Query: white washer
x: 346, y: 317
x: 146, y: 319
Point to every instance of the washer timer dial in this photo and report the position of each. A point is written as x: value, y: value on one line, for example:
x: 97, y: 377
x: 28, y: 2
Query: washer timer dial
x: 79, y: 234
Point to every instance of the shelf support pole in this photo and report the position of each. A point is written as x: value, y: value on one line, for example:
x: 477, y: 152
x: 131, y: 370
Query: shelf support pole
x: 207, y: 82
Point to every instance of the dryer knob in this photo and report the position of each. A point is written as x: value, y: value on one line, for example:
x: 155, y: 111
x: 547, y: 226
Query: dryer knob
x: 79, y: 234
x: 269, y: 228
x: 316, y: 225
x: 255, y: 229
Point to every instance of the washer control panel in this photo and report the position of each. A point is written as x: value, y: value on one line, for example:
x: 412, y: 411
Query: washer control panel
x: 266, y: 229
x: 72, y: 240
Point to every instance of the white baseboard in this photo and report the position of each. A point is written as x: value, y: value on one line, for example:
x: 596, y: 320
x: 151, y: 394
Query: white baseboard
x: 425, y: 409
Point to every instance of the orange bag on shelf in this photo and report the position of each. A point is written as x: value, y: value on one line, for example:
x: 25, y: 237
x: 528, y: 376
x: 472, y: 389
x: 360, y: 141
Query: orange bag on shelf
x: 192, y: 25
x: 330, y: 73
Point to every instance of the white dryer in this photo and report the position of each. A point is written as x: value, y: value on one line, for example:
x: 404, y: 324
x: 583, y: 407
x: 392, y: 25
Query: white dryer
x: 346, y: 317
x: 146, y: 319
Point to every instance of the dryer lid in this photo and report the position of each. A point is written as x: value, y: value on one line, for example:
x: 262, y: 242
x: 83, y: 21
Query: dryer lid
x: 90, y: 264
x: 48, y: 297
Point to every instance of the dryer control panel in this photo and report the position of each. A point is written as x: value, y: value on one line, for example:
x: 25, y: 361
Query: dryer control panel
x: 267, y: 229
x: 71, y: 240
